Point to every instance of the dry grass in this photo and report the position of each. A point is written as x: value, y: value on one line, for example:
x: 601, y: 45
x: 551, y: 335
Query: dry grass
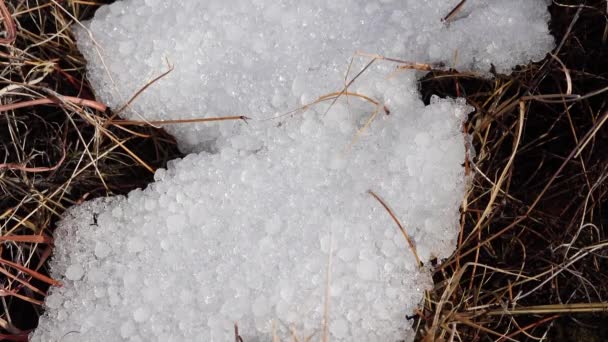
x: 533, y: 241
x: 58, y: 147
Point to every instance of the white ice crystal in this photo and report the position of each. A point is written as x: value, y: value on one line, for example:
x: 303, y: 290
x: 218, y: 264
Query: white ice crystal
x: 272, y: 215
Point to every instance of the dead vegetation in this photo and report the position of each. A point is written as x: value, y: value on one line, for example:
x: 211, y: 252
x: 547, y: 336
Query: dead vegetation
x: 532, y: 249
x: 58, y: 147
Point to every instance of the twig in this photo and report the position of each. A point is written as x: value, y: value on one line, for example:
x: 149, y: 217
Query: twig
x: 22, y: 167
x: 407, y: 237
x: 140, y: 91
x: 405, y: 64
x: 48, y: 100
x: 27, y: 238
x: 178, y: 121
x: 503, y: 175
x: 552, y: 309
x: 529, y: 326
x: 454, y: 11
x: 32, y: 273
x: 566, y: 73
x: 345, y: 89
x: 325, y: 336
x: 237, y: 336
x: 9, y: 24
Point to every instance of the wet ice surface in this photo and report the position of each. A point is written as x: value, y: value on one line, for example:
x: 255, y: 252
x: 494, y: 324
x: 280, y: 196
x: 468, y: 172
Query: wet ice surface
x: 246, y: 229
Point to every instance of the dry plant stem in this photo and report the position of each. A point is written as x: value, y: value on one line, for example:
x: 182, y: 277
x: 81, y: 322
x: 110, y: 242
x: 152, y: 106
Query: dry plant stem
x: 566, y: 73
x: 345, y: 89
x: 529, y: 326
x: 552, y: 309
x: 453, y: 283
x: 365, y: 126
x: 12, y: 293
x: 9, y: 24
x: 595, y: 129
x: 326, y: 97
x: 237, y: 337
x: 27, y: 238
x: 331, y: 96
x: 78, y: 171
x: 404, y: 64
x: 498, y: 184
x: 549, y: 99
x: 9, y: 327
x: 588, y: 136
x: 454, y: 11
x: 32, y: 273
x: 56, y: 147
x: 129, y: 152
x: 140, y: 91
x: 468, y: 322
x: 403, y: 231
x: 21, y: 281
x: 21, y: 167
x: 178, y: 121
x: 552, y: 224
x: 325, y: 336
x: 335, y: 95
x: 44, y: 101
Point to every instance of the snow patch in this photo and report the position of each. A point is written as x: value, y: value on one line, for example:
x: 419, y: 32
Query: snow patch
x: 244, y: 230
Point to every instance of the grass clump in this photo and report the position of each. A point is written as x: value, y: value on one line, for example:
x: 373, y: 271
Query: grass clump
x: 533, y: 241
x: 59, y: 147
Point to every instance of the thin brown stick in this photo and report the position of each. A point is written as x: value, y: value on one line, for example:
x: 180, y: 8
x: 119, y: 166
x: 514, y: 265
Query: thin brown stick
x: 552, y: 309
x: 140, y: 91
x: 179, y: 121
x: 503, y: 175
x: 345, y: 89
x: 27, y: 238
x: 405, y: 64
x: 22, y: 167
x: 529, y: 326
x: 32, y: 273
x: 326, y: 302
x: 48, y: 100
x: 8, y: 292
x: 589, y: 137
x: 24, y: 282
x: 9, y: 24
x: 331, y: 96
x: 454, y: 11
x: 566, y: 74
x: 337, y: 94
x: 394, y: 217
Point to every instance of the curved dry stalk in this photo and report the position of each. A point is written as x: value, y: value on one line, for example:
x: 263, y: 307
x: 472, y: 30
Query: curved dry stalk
x: 498, y: 185
x: 331, y: 96
x: 23, y: 167
x: 9, y: 24
x: 403, y: 231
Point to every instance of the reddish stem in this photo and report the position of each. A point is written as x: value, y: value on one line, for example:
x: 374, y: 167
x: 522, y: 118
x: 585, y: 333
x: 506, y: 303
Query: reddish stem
x: 9, y: 24
x: 47, y: 100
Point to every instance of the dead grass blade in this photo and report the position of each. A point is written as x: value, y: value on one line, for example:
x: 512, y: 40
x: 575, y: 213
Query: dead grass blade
x: 401, y: 228
x: 9, y: 24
